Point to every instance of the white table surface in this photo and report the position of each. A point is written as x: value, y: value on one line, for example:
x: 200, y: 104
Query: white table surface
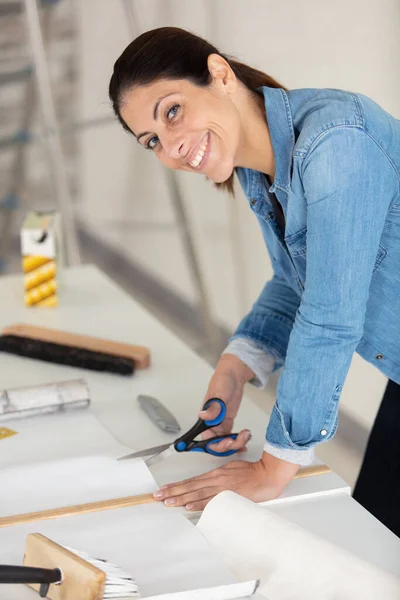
x: 92, y: 304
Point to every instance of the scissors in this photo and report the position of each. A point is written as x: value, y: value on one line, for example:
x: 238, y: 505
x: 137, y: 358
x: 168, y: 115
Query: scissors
x: 187, y: 442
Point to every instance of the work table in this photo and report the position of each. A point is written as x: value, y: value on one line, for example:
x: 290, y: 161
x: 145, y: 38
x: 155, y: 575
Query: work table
x: 92, y: 304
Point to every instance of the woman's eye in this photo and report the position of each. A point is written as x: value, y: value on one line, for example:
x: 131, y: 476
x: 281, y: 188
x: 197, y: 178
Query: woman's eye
x: 152, y: 143
x: 172, y: 112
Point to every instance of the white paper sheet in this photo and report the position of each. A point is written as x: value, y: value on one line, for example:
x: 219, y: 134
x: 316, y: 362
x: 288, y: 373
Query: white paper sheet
x: 71, y: 481
x: 57, y: 436
x: 156, y: 545
x: 65, y: 459
x: 83, y: 445
x: 291, y: 563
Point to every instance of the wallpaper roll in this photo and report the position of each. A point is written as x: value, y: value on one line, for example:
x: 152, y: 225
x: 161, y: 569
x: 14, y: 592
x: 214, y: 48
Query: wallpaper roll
x: 291, y: 563
x: 18, y: 403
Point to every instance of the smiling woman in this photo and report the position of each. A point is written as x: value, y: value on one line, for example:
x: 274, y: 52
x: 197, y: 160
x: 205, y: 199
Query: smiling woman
x: 320, y: 169
x: 192, y: 115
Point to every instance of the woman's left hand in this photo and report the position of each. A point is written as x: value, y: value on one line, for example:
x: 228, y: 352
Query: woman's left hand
x: 258, y: 481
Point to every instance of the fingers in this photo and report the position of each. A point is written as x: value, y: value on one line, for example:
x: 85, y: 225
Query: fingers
x: 223, y: 429
x: 181, y: 487
x: 178, y: 494
x: 197, y: 506
x: 196, y: 492
x: 194, y: 496
x: 229, y: 444
x: 211, y: 413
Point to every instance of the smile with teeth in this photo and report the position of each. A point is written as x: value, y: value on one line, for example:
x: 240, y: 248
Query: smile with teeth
x: 196, y: 162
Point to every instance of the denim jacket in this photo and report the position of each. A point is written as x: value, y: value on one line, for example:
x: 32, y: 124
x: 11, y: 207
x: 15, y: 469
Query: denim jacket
x: 336, y: 260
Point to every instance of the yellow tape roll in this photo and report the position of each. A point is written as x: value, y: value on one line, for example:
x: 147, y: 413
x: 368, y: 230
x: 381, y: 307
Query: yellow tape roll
x: 51, y: 301
x: 40, y: 292
x: 33, y: 262
x: 40, y: 275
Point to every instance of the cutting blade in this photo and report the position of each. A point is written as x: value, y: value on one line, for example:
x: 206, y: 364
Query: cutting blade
x: 145, y: 452
x: 161, y: 456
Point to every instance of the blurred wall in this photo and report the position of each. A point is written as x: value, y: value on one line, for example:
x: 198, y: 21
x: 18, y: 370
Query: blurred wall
x: 350, y: 44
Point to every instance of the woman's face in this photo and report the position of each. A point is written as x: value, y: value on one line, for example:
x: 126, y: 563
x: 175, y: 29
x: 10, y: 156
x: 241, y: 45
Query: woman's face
x: 188, y: 127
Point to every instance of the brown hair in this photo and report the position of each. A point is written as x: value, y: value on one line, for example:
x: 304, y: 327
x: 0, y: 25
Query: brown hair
x: 173, y: 53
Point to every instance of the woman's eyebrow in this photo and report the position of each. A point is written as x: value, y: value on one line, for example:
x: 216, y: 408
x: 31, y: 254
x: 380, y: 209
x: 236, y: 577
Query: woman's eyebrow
x: 155, y: 114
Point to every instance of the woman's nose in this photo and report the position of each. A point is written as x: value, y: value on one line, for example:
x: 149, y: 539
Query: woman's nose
x: 176, y: 148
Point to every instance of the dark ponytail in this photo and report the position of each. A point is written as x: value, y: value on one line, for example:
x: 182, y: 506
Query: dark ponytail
x: 173, y: 53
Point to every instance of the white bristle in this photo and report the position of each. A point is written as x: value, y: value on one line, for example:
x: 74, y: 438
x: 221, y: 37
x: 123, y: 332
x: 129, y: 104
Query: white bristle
x: 119, y: 583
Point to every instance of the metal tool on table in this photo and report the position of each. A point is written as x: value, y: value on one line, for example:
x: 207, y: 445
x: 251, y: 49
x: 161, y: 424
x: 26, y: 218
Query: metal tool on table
x: 187, y: 442
x: 158, y: 414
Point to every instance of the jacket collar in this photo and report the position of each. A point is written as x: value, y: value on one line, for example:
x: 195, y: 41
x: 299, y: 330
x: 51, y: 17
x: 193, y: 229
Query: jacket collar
x: 281, y: 130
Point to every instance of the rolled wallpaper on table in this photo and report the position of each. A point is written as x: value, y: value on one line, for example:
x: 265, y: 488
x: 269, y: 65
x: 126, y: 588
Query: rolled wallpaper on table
x: 291, y: 563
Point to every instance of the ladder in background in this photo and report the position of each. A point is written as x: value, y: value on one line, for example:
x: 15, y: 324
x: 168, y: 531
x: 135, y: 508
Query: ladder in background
x: 36, y: 80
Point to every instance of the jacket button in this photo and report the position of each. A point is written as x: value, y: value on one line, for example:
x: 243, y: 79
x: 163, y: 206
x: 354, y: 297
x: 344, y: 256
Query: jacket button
x: 379, y: 356
x: 253, y: 201
x: 323, y: 432
x: 271, y: 215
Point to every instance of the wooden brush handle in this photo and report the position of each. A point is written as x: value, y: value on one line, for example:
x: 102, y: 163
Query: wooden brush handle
x: 139, y: 354
x: 80, y: 579
x: 79, y: 509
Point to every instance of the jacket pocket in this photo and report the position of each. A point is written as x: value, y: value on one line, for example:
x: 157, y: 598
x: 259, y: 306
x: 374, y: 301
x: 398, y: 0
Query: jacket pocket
x: 381, y: 255
x: 296, y: 244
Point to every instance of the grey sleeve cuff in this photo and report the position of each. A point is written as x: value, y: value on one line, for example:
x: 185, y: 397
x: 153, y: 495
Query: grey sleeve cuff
x: 260, y: 362
x: 297, y: 457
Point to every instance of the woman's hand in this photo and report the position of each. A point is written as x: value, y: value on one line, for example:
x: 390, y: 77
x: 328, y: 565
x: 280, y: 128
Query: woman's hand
x: 263, y: 480
x: 227, y: 383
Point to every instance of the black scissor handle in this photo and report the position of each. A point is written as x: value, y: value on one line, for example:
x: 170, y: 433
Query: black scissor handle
x: 183, y: 443
x: 206, y: 445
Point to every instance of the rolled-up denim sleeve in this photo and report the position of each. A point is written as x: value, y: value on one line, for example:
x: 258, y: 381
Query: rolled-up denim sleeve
x: 270, y: 321
x: 261, y: 363
x: 349, y: 183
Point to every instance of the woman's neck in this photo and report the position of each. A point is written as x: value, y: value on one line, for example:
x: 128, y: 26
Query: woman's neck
x: 255, y: 148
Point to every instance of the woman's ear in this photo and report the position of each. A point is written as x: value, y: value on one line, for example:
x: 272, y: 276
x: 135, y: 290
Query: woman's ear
x: 221, y: 72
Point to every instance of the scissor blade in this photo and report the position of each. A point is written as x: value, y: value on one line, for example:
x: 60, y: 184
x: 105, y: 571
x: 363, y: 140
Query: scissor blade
x: 161, y: 456
x: 145, y: 452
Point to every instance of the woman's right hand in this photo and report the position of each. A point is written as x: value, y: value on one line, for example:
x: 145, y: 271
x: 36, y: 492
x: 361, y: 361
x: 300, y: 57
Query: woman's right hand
x: 227, y: 383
